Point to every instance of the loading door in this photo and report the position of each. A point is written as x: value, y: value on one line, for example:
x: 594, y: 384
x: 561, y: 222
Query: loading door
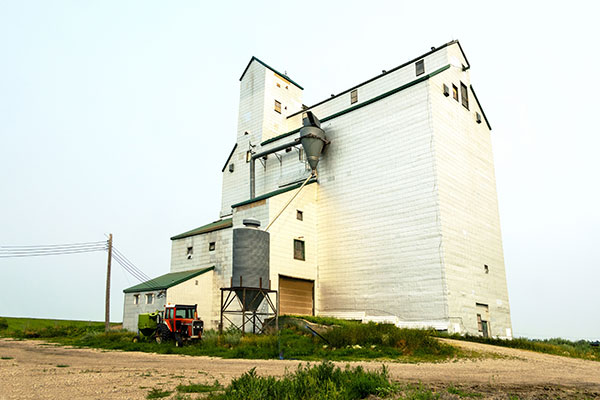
x: 296, y: 296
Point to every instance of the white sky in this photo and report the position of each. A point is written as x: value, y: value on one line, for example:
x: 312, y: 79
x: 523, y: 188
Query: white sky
x: 117, y: 116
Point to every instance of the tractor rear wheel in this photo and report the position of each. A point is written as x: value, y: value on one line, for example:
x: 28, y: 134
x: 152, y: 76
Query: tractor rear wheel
x: 162, y: 333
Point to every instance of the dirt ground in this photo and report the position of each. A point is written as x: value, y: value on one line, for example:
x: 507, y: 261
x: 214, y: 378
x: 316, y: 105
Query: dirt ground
x: 37, y: 370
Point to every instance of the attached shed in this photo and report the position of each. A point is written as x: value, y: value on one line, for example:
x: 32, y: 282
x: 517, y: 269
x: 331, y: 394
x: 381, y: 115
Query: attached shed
x: 186, y: 287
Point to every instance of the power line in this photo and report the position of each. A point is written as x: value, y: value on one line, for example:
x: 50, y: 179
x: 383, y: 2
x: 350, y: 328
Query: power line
x: 54, y: 245
x: 50, y: 253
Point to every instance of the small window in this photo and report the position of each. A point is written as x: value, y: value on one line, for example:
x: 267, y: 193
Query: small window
x: 464, y: 95
x: 446, y: 91
x: 354, y: 96
x: 299, y: 249
x: 454, y: 92
x: 231, y: 167
x: 477, y: 117
x: 196, y: 282
x: 278, y: 106
x: 248, y: 156
x: 278, y: 85
x: 150, y: 298
x: 212, y: 246
x: 190, y: 252
x: 486, y: 269
x: 299, y: 215
x: 136, y: 299
x: 420, y: 67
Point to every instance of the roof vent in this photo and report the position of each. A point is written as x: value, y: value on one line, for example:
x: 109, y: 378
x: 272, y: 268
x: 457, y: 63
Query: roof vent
x: 251, y: 223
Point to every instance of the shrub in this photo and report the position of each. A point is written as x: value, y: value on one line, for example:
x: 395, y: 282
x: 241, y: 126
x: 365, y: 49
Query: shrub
x: 323, y: 381
x: 3, y: 323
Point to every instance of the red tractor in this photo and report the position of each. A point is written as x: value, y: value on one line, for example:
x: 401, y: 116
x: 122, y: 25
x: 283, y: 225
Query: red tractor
x: 181, y: 323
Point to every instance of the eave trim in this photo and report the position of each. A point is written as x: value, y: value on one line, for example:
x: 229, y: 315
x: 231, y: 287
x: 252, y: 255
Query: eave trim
x: 365, y: 103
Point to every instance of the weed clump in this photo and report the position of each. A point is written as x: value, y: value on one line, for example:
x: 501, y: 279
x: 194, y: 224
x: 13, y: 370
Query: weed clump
x: 3, y: 323
x: 323, y: 381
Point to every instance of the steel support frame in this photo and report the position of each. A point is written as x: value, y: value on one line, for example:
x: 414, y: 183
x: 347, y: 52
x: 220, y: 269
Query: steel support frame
x: 249, y: 316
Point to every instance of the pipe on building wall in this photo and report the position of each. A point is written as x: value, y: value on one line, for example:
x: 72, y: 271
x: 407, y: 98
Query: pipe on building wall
x: 262, y: 154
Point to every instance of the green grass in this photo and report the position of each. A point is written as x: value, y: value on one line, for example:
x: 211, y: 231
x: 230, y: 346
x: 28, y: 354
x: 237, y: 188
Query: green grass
x: 199, y: 388
x: 62, y: 366
x: 6, y: 358
x: 557, y: 346
x: 462, y: 393
x: 157, y: 393
x: 323, y: 381
x: 344, y: 341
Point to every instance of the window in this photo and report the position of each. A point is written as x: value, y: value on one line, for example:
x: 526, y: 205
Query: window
x: 420, y: 67
x: 231, y: 167
x: 136, y: 299
x: 190, y: 252
x: 298, y: 249
x: 486, y: 269
x: 248, y: 156
x: 299, y: 215
x: 278, y: 85
x: 446, y: 90
x: 278, y: 106
x: 478, y: 117
x: 196, y: 282
x: 464, y: 95
x: 354, y: 96
x: 212, y: 246
x: 150, y: 298
x: 454, y: 92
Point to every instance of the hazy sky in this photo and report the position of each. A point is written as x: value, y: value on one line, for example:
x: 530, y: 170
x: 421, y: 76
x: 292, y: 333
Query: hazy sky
x: 117, y: 116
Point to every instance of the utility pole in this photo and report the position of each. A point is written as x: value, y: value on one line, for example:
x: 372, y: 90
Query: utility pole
x: 107, y: 312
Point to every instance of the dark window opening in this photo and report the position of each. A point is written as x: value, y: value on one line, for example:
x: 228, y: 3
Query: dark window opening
x: 464, y: 95
x: 420, y: 67
x: 454, y: 92
x: 299, y: 249
x: 212, y: 246
x: 354, y: 96
x: 278, y: 106
x: 446, y: 91
x: 190, y: 252
x: 299, y: 215
x: 486, y: 269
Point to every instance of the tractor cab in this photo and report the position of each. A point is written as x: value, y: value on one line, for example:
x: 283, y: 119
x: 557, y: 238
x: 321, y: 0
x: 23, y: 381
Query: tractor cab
x: 183, y: 320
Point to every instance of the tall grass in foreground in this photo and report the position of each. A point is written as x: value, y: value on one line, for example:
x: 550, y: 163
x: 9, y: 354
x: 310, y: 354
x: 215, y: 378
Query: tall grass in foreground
x: 323, y: 381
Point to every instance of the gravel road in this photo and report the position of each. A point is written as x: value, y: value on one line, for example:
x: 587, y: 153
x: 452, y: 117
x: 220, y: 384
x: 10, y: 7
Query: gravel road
x: 37, y: 370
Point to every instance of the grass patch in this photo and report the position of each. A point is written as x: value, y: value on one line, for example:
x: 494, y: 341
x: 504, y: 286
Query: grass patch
x: 199, y: 388
x: 339, y: 341
x: 557, y: 346
x: 462, y: 393
x: 323, y: 381
x: 6, y: 358
x: 62, y: 366
x: 157, y: 393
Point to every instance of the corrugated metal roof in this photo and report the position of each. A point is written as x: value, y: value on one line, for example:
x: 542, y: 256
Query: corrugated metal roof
x: 213, y: 226
x: 166, y: 281
x: 273, y: 193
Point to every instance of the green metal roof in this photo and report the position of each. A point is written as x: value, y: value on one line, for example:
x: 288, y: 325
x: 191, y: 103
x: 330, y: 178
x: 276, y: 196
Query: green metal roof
x: 287, y: 78
x: 364, y: 103
x: 166, y: 281
x: 273, y: 193
x: 213, y: 226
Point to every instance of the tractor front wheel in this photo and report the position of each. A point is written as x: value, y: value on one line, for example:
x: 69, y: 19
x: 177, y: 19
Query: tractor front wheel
x: 178, y: 340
